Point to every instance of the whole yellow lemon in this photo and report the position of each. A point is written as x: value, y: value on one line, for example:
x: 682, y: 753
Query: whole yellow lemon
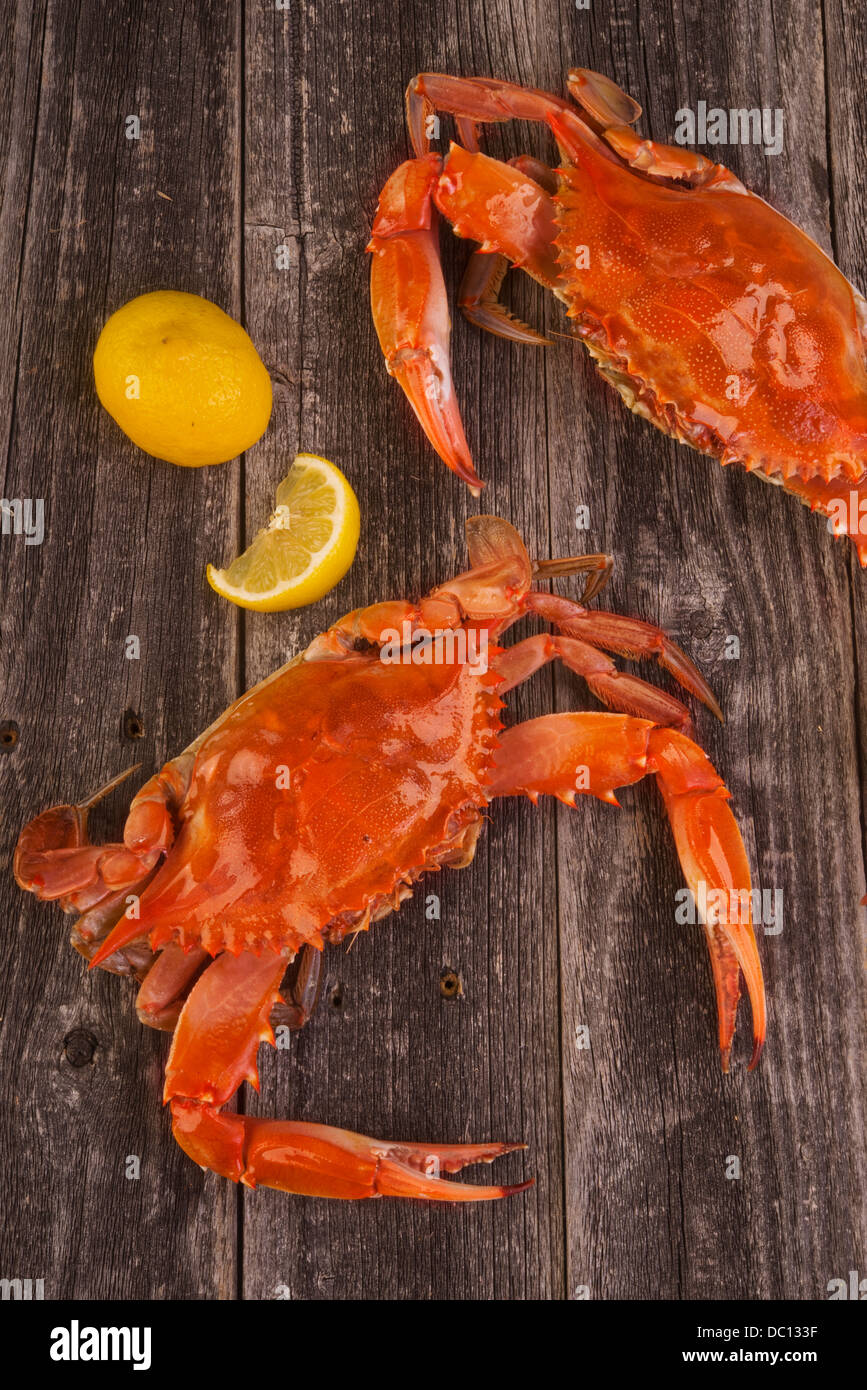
x: 182, y: 379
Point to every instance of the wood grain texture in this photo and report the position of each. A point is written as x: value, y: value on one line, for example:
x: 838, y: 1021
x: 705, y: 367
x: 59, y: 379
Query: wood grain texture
x: 708, y: 553
x: 271, y: 131
x: 120, y: 556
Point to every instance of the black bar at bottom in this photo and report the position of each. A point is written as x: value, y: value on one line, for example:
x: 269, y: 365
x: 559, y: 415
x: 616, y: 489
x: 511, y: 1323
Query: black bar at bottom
x: 62, y: 1339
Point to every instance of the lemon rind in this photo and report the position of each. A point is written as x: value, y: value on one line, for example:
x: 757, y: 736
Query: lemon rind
x: 247, y: 597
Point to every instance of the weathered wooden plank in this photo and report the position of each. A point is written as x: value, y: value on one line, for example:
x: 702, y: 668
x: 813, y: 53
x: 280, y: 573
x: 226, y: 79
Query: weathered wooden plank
x: 324, y: 111
x: 22, y: 40
x: 846, y: 54
x: 650, y: 1122
x: 107, y: 219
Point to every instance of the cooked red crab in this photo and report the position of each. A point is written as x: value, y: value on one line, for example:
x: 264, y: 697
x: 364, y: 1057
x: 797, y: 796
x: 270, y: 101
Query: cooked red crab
x: 713, y: 316
x: 311, y: 807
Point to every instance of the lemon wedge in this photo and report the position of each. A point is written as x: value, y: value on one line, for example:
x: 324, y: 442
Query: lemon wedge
x: 306, y: 548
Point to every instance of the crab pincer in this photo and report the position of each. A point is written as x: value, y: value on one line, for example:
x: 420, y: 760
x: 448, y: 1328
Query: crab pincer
x: 214, y: 1049
x: 411, y: 309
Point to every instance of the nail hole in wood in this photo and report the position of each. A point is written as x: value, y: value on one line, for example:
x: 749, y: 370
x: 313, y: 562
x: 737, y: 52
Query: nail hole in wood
x: 335, y: 999
x: 450, y: 985
x: 79, y: 1047
x: 8, y: 735
x: 133, y: 725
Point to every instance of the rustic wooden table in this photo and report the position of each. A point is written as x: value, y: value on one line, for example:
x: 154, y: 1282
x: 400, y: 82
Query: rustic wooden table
x: 266, y: 126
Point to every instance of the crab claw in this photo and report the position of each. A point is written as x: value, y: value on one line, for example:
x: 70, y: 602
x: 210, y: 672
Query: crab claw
x: 221, y: 1025
x: 715, y: 864
x: 313, y: 1160
x: 410, y: 309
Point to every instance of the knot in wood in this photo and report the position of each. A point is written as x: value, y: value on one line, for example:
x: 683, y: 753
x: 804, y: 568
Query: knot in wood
x: 79, y: 1046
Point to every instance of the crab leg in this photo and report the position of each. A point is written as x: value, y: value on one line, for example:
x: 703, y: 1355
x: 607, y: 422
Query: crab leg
x: 481, y: 100
x: 314, y: 1160
x: 166, y: 985
x: 473, y: 101
x: 629, y: 637
x: 712, y: 853
x: 174, y: 970
x: 374, y: 623
x: 303, y: 991
x: 55, y: 860
x: 222, y: 1023
x: 614, y: 111
x: 672, y: 162
x: 501, y: 572
x: 479, y: 300
x: 545, y: 756
x: 602, y: 99
x: 624, y: 693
